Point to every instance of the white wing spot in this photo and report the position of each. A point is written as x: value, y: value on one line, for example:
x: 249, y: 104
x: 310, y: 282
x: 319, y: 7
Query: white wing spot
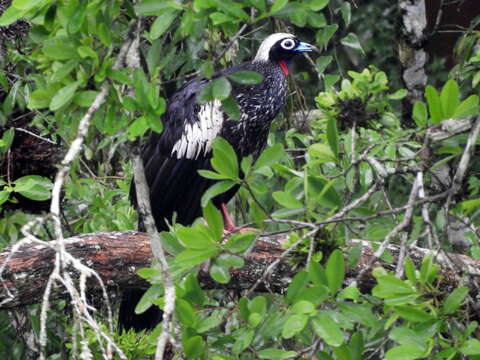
x: 199, y: 135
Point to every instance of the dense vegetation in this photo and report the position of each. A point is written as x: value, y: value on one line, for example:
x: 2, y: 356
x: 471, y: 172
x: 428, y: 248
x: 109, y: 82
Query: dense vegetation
x: 342, y: 163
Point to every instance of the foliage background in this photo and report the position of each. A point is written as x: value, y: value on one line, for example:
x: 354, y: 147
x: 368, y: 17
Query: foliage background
x: 345, y: 109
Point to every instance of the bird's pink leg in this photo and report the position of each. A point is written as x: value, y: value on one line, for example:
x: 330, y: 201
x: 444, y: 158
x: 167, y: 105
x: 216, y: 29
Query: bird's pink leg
x: 228, y: 222
x: 229, y: 225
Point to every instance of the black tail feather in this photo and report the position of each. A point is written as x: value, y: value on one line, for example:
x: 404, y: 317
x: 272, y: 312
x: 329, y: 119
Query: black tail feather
x: 127, y: 319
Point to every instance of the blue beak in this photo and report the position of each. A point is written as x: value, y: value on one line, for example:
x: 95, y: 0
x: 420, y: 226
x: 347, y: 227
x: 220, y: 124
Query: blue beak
x: 304, y: 47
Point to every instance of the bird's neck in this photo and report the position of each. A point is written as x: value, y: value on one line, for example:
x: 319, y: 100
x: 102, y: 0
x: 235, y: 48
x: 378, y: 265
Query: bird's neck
x: 284, y: 66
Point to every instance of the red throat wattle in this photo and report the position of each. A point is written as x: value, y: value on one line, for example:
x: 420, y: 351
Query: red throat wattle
x: 284, y: 67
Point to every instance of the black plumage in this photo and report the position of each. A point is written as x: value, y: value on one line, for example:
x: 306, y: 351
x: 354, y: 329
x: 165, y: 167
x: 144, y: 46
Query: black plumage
x: 172, y: 158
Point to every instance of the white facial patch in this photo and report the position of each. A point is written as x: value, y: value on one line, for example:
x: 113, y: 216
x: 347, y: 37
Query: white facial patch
x: 198, y: 137
x: 264, y: 49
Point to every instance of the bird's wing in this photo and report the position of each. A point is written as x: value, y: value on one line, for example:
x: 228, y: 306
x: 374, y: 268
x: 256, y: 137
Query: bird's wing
x: 189, y: 128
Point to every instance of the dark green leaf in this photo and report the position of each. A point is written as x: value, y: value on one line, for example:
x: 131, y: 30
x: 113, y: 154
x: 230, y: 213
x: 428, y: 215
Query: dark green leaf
x: 240, y: 243
x: 287, y: 200
x: 63, y: 96
x: 244, y: 338
x: 324, y: 36
x: 328, y: 330
x: 351, y: 41
x: 153, y: 292
x: 162, y: 23
x: 216, y: 189
x: 185, y: 313
x: 335, y: 271
x: 276, y: 354
x: 246, y: 77
x: 231, y: 108
x: 332, y: 135
x: 278, y: 5
x: 346, y: 11
x: 322, y: 62
x: 194, y: 347
x: 317, y: 5
x: 221, y: 88
x: 454, y: 300
x: 404, y: 352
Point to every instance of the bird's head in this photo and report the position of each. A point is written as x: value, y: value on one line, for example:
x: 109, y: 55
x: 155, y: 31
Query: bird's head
x: 281, y: 48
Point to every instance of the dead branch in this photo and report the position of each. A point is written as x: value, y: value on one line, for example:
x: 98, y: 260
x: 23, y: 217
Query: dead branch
x: 117, y: 256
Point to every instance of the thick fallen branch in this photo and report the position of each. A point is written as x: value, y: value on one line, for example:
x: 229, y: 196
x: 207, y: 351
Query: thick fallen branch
x: 117, y: 256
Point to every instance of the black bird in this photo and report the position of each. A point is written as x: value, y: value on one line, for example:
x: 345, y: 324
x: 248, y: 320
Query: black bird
x: 173, y: 157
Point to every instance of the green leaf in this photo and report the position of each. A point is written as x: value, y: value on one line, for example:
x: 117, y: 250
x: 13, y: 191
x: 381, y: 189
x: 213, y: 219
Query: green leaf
x: 4, y: 195
x: 351, y: 41
x: 155, y: 7
x: 258, y: 305
x: 39, y: 99
x: 231, y: 108
x: 6, y: 140
x: 209, y: 323
x: 221, y: 88
x: 471, y: 347
x: 335, y: 271
x: 294, y: 324
x: 196, y: 237
x: 33, y: 187
x: 185, y: 313
x: 162, y: 23
x: 85, y: 98
x: 322, y: 62
x: 224, y: 159
x: 240, y: 243
x: 60, y: 48
x: 413, y: 314
x: 187, y: 259
x: 214, y: 220
x: 287, y: 200
x: 220, y: 273
x: 216, y: 189
x: 454, y: 300
x: 410, y: 270
x: 299, y: 282
x: 346, y: 11
x: 434, y: 105
x: 420, y: 114
x: 270, y: 156
x: 64, y: 96
x: 246, y: 77
x: 398, y: 95
x: 324, y: 36
x: 468, y: 107
x: 328, y: 330
x: 194, y: 347
x: 278, y: 5
x: 243, y: 340
x: 12, y: 14
x: 276, y: 354
x: 332, y: 135
x: 404, y: 352
x: 450, y: 98
x: 394, y: 290
x: 153, y: 293
x: 75, y: 22
x: 303, y: 307
x: 317, y: 5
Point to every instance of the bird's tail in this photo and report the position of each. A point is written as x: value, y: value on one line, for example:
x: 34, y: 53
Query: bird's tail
x: 127, y: 319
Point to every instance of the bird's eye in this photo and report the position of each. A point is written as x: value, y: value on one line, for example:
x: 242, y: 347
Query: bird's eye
x: 287, y: 44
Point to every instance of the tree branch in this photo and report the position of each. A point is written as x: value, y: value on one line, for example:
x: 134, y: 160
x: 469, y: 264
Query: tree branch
x: 117, y: 256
